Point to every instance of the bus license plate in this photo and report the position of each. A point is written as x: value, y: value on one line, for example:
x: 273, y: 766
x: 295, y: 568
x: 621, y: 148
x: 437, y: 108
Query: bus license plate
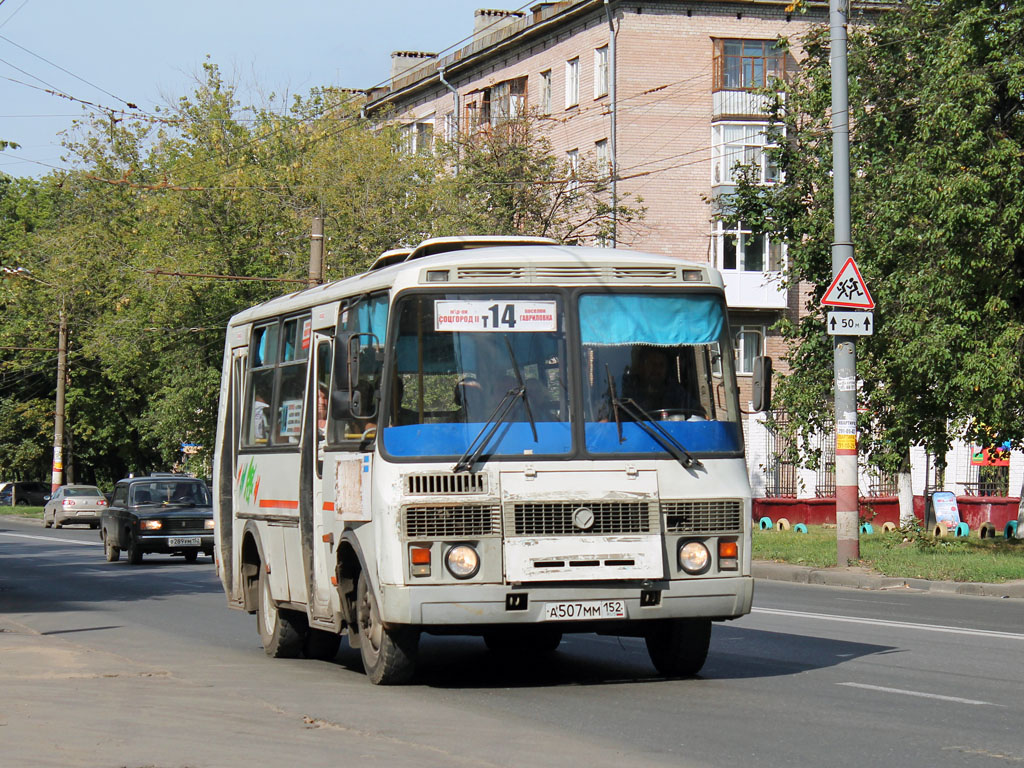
x: 185, y: 541
x: 585, y: 609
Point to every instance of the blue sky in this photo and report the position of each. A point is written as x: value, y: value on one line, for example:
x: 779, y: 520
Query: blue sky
x: 147, y: 52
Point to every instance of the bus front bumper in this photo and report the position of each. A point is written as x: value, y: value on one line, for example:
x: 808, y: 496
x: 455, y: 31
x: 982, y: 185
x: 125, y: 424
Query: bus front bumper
x: 469, y: 605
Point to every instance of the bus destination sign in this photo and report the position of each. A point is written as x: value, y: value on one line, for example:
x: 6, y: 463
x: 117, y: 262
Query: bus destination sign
x: 488, y: 315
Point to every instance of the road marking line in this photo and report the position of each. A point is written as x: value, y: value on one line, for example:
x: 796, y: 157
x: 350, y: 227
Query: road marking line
x: 52, y: 538
x: 897, y: 624
x: 955, y: 699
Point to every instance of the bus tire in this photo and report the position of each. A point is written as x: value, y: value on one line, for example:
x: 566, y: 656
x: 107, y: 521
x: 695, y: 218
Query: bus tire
x: 321, y: 645
x: 389, y: 656
x: 679, y: 647
x: 282, y: 637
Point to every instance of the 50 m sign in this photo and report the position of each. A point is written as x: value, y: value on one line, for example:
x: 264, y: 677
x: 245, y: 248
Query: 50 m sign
x: 490, y: 316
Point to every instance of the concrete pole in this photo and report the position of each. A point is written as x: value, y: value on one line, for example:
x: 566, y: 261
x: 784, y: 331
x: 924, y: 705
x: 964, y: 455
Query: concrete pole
x: 316, y: 253
x: 57, y: 475
x: 844, y: 347
x: 613, y: 75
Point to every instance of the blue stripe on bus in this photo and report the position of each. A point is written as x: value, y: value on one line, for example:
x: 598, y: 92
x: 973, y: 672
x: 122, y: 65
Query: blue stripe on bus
x: 555, y: 437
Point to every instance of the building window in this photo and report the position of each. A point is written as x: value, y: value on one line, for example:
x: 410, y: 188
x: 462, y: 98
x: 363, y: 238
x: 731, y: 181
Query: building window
x: 419, y: 137
x: 506, y: 100
x: 735, y: 145
x: 545, y: 92
x: 601, y: 71
x: 745, y: 65
x: 572, y: 158
x: 741, y: 250
x: 749, y: 344
x: 572, y: 82
x: 451, y: 127
x: 601, y: 156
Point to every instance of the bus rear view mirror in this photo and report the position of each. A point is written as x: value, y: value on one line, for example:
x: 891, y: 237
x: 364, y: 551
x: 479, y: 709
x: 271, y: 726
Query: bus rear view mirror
x: 762, y: 383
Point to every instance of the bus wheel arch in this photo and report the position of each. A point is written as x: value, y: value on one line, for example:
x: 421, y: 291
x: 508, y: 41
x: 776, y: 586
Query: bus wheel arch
x: 250, y: 566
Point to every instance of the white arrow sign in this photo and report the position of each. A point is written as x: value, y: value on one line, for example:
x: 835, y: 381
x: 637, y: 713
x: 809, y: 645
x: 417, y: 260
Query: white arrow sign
x: 850, y: 323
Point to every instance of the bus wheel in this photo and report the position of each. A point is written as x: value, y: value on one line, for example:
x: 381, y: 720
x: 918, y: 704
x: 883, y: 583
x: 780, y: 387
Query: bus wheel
x: 678, y: 647
x: 321, y: 645
x: 281, y: 636
x: 388, y: 655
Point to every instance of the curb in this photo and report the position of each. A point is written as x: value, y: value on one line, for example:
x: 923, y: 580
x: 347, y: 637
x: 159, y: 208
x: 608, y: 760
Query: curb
x: 862, y: 578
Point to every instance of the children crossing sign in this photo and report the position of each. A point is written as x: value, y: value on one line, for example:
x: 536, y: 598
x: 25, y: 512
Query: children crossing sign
x: 848, y: 290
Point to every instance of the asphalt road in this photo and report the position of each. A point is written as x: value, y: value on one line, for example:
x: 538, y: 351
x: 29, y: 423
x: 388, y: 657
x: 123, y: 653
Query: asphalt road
x: 107, y: 664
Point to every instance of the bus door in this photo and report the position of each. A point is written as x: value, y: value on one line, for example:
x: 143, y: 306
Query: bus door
x: 322, y: 594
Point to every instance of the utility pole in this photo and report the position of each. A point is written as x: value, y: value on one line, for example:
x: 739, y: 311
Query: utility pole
x: 844, y: 347
x: 316, y: 252
x: 57, y: 477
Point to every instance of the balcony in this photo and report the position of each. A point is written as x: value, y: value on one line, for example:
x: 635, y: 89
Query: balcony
x: 735, y: 104
x: 754, y: 290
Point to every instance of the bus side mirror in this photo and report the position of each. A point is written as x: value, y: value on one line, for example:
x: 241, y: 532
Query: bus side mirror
x: 762, y: 383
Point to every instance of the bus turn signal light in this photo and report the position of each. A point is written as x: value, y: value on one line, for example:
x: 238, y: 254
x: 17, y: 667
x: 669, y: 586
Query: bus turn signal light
x: 419, y: 557
x: 728, y: 556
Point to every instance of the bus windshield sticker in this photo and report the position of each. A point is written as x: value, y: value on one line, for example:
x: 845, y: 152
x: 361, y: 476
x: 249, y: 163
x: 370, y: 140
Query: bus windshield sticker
x: 495, y: 316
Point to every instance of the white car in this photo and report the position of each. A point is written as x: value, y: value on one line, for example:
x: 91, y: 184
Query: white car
x: 74, y: 504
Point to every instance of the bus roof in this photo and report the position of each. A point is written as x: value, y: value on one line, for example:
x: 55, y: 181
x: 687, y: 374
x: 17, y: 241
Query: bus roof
x: 536, y: 265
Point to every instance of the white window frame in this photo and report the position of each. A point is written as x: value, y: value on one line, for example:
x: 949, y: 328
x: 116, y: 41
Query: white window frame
x: 414, y: 136
x: 602, y: 157
x: 572, y: 82
x: 772, y: 256
x: 572, y: 157
x: 544, y: 105
x: 601, y: 71
x: 743, y: 338
x: 743, y: 143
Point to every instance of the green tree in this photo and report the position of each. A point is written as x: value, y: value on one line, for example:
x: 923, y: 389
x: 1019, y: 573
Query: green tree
x: 937, y: 159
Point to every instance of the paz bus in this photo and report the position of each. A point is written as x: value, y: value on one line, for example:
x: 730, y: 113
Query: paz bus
x: 492, y: 436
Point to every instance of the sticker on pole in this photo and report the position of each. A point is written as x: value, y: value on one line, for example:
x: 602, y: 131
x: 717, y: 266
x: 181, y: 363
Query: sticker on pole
x: 848, y: 289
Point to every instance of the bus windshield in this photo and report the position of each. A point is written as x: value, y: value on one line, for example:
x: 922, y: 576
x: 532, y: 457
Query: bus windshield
x: 457, y: 358
x: 655, y: 358
x: 464, y: 362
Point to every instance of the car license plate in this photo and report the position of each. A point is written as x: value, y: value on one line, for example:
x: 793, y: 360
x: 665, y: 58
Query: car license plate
x: 585, y: 609
x: 184, y: 541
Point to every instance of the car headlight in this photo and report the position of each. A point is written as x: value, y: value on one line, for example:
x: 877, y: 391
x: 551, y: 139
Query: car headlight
x: 151, y: 525
x: 462, y: 561
x: 208, y: 524
x: 694, y: 557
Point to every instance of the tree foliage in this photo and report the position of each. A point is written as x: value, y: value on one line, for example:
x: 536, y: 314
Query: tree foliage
x: 214, y: 187
x: 937, y: 165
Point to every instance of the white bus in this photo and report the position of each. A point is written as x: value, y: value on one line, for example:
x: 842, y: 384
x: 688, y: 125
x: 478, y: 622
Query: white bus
x: 501, y: 437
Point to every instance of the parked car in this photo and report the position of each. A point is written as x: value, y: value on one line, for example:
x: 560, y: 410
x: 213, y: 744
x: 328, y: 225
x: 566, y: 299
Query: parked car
x: 168, y: 514
x: 78, y: 504
x: 23, y: 494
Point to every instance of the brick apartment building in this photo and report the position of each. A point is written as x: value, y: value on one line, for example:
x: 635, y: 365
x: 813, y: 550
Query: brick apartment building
x: 663, y: 93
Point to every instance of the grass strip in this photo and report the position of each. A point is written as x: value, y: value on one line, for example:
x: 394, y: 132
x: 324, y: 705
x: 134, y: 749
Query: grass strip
x: 909, y: 554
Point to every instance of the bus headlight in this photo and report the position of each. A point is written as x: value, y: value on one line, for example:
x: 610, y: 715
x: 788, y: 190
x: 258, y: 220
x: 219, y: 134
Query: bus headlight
x: 462, y: 561
x: 694, y: 557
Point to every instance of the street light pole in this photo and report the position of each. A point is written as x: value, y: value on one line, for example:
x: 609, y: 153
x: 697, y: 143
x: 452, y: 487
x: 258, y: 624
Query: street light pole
x: 57, y: 475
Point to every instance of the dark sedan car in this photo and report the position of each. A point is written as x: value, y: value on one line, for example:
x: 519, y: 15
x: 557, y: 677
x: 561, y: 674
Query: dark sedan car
x: 168, y: 514
x: 22, y: 494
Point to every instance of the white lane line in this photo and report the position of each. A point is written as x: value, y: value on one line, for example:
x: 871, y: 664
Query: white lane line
x: 53, y: 539
x: 895, y: 624
x: 955, y: 699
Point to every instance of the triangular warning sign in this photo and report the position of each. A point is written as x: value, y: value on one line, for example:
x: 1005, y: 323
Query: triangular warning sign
x: 848, y: 289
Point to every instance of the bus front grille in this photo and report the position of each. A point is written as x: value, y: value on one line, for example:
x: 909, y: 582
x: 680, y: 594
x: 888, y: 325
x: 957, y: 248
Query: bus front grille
x: 452, y: 520
x: 445, y: 484
x: 561, y: 519
x: 711, y: 516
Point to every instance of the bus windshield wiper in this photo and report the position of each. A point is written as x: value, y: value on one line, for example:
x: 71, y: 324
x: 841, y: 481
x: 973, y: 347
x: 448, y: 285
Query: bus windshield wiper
x: 648, y: 424
x: 522, y: 385
x: 498, y: 416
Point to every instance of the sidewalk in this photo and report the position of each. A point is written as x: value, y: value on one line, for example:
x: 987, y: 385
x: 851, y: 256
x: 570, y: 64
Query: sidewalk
x: 863, y: 578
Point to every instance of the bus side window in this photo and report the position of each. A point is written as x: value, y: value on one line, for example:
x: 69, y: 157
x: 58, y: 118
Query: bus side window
x: 366, y: 316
